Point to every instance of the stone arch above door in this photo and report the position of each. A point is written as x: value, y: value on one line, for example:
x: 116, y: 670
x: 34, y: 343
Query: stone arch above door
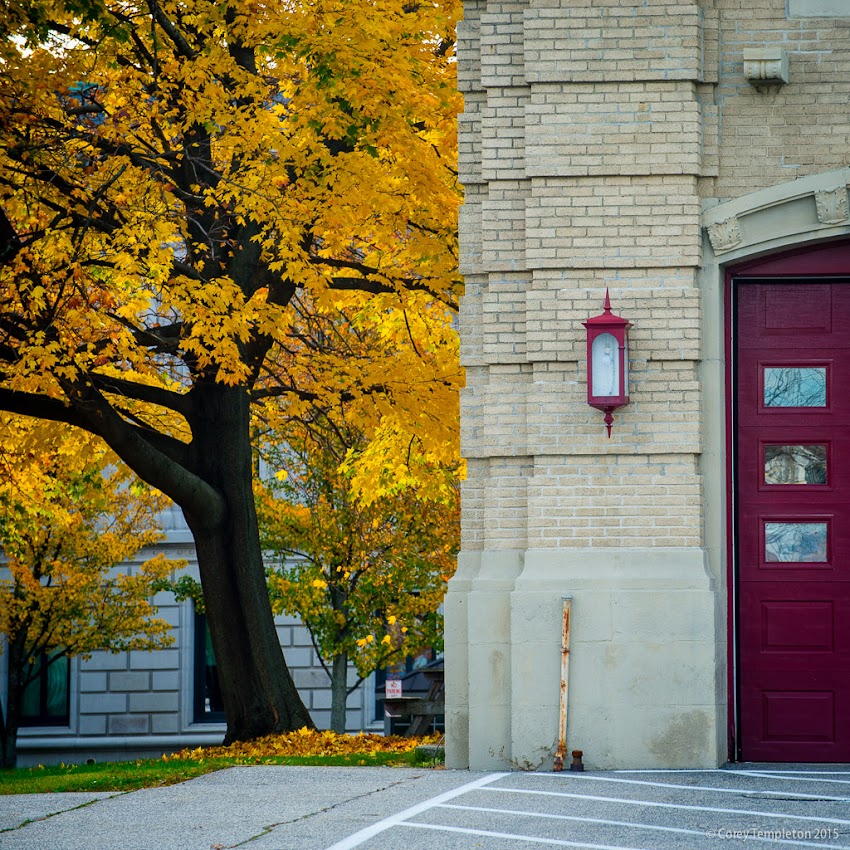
x: 808, y: 209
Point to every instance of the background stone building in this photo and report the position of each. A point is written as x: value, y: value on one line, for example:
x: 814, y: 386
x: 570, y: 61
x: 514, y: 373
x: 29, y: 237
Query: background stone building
x: 691, y: 157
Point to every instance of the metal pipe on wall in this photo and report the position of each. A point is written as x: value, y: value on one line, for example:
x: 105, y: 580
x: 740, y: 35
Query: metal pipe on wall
x: 561, y: 753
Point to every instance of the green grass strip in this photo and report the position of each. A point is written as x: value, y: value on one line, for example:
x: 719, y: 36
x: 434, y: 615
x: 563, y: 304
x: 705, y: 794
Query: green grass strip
x: 151, y: 773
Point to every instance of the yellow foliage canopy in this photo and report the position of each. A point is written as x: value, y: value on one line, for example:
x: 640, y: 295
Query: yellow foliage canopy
x: 183, y: 195
x: 182, y: 189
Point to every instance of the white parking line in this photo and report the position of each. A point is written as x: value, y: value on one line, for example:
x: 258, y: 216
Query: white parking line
x: 790, y: 772
x: 783, y: 815
x: 738, y: 791
x: 530, y: 838
x: 633, y: 825
x: 669, y: 770
x: 368, y: 832
x: 770, y: 775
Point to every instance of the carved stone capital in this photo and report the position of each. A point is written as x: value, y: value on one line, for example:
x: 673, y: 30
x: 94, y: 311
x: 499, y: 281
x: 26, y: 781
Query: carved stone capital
x: 725, y: 235
x: 832, y: 205
x: 766, y: 66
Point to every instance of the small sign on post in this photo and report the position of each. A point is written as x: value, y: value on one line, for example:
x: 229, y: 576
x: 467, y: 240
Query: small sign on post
x: 393, y: 688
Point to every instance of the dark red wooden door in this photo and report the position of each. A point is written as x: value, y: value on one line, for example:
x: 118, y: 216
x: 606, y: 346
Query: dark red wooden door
x: 793, y: 520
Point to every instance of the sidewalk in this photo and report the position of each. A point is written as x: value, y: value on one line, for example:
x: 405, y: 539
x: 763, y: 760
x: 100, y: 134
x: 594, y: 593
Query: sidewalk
x: 278, y: 807
x: 310, y: 808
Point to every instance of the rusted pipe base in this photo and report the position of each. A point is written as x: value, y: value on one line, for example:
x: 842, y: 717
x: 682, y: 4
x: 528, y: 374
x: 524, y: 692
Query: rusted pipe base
x: 558, y: 766
x: 576, y: 763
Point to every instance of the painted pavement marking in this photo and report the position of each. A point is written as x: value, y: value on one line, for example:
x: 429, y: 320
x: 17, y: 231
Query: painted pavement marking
x: 368, y: 832
x: 788, y: 772
x: 739, y: 791
x: 671, y: 805
x: 765, y: 774
x: 722, y: 770
x: 529, y: 838
x: 632, y: 825
x: 669, y: 770
x: 485, y: 783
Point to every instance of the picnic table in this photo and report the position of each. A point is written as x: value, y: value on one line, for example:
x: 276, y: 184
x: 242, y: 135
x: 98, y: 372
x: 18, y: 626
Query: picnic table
x: 422, y: 709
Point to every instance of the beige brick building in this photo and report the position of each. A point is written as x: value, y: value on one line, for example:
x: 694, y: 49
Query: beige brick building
x: 690, y: 157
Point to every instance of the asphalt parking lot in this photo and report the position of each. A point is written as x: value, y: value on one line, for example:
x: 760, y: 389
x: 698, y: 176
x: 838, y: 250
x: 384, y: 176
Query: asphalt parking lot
x: 292, y: 808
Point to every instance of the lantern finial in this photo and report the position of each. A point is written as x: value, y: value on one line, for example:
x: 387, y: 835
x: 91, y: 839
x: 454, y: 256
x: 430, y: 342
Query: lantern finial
x: 607, y: 305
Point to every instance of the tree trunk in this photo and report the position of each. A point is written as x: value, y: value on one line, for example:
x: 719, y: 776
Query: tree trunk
x: 339, y: 692
x: 9, y: 734
x: 10, y: 718
x: 257, y: 689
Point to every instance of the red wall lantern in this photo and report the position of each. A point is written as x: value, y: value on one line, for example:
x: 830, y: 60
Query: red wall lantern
x: 607, y: 362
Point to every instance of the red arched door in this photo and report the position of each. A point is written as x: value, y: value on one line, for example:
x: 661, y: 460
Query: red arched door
x: 792, y: 509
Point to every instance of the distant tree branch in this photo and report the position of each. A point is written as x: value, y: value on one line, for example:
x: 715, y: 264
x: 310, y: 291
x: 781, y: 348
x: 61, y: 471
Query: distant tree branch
x: 282, y: 390
x: 164, y: 340
x: 318, y: 651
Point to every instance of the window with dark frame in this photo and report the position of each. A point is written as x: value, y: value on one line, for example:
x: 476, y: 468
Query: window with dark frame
x: 47, y: 699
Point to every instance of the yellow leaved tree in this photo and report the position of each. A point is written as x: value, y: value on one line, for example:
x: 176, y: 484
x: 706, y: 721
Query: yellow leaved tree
x: 361, y: 549
x: 68, y: 516
x: 179, y: 179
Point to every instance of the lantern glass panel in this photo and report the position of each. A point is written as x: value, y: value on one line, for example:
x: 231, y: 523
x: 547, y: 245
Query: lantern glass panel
x: 626, y: 366
x: 605, y: 357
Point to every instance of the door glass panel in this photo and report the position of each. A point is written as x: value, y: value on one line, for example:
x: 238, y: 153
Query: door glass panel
x: 795, y: 386
x: 795, y: 464
x: 795, y: 542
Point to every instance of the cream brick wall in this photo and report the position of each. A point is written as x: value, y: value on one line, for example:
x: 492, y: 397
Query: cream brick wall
x: 469, y: 226
x: 612, y: 128
x: 612, y: 222
x: 587, y: 501
x: 611, y: 40
x: 773, y: 136
x: 503, y: 225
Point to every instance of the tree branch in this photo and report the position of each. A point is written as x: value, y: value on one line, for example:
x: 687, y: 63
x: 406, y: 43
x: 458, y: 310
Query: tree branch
x: 164, y: 340
x: 373, y: 287
x: 153, y: 456
x: 178, y: 402
x: 183, y: 47
x: 282, y: 390
x: 42, y: 407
